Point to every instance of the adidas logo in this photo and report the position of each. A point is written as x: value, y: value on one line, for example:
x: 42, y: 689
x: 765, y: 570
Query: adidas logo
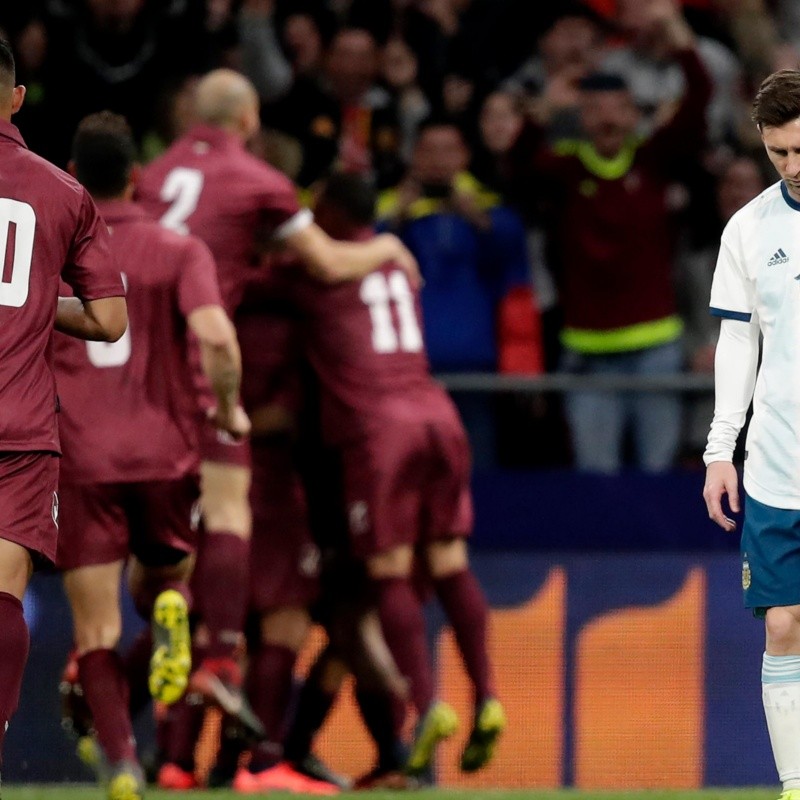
x: 779, y: 258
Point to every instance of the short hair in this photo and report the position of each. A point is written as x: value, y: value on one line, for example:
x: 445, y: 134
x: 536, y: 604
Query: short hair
x: 8, y: 67
x: 777, y: 100
x: 440, y: 120
x: 352, y: 195
x: 103, y: 152
x: 603, y: 82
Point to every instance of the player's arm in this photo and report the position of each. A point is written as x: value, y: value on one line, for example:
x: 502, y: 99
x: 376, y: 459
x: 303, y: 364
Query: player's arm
x: 222, y: 365
x: 333, y: 261
x: 735, y: 366
x: 102, y: 320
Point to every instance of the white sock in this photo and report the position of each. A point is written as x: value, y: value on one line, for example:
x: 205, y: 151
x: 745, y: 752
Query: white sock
x: 780, y: 684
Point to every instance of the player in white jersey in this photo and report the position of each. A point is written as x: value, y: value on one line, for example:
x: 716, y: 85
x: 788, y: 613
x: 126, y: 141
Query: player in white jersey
x: 756, y: 292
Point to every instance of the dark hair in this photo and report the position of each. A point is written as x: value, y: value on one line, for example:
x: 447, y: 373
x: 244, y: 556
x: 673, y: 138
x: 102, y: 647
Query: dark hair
x: 7, y: 66
x: 104, y: 152
x: 352, y: 195
x: 439, y: 120
x: 777, y: 100
x: 603, y: 82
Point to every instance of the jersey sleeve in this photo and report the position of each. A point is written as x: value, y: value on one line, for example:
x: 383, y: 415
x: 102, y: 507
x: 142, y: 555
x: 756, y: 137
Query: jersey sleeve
x: 90, y: 268
x: 282, y: 213
x: 197, y: 281
x: 732, y: 290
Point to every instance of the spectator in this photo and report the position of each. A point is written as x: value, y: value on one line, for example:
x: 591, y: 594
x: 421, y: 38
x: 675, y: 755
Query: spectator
x: 611, y: 229
x: 262, y: 59
x: 344, y: 119
x: 473, y: 256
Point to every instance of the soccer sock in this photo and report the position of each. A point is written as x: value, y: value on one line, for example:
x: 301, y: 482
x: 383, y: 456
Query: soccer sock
x: 780, y: 683
x: 222, y: 571
x: 313, y: 707
x: 144, y: 597
x: 14, y: 645
x: 136, y: 664
x: 378, y: 712
x: 179, y: 731
x: 269, y: 680
x: 465, y: 606
x: 403, y: 626
x: 105, y: 688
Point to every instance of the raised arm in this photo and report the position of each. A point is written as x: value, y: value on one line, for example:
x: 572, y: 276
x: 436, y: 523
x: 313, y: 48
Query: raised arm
x: 103, y: 320
x: 222, y: 365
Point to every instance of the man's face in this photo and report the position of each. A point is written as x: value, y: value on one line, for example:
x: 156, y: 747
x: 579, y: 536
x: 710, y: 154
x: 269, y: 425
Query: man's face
x: 783, y: 148
x: 737, y: 186
x: 440, y: 154
x: 571, y: 40
x: 352, y: 64
x: 500, y: 122
x: 608, y: 119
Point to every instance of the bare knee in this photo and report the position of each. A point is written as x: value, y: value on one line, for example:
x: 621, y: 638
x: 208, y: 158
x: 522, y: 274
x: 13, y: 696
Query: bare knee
x: 97, y: 634
x: 286, y: 627
x: 225, y: 498
x: 783, y: 630
x: 93, y: 594
x: 16, y: 568
x: 394, y: 563
x: 447, y: 557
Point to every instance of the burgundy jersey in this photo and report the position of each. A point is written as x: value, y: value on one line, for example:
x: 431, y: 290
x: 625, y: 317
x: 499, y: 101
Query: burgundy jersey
x: 209, y: 185
x: 128, y: 410
x: 49, y: 229
x: 365, y: 342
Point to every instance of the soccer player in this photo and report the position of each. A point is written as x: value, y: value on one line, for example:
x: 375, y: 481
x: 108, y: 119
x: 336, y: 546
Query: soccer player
x: 49, y: 229
x: 756, y: 293
x: 209, y: 185
x: 406, y: 466
x: 129, y: 481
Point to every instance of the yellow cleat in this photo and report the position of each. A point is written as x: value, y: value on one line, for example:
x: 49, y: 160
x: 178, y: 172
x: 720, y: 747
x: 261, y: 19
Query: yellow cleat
x: 89, y: 752
x: 490, y: 722
x: 438, y: 724
x: 171, y: 661
x: 790, y: 794
x: 126, y: 783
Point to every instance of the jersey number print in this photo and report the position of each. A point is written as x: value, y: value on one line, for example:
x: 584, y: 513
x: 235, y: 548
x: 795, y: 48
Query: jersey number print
x: 17, y: 231
x: 379, y: 292
x: 182, y: 189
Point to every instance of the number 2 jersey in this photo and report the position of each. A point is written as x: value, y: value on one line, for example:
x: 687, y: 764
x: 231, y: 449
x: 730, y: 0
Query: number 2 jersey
x: 365, y: 342
x: 49, y: 230
x: 128, y: 409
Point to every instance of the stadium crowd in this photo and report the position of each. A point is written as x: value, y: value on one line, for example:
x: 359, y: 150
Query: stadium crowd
x: 557, y: 173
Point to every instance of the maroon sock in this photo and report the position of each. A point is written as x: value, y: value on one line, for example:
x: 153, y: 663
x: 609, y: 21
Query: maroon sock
x: 270, y: 677
x: 465, y: 606
x: 403, y: 626
x: 222, y: 571
x: 144, y: 598
x: 136, y: 664
x: 14, y: 645
x: 178, y: 732
x: 106, y: 691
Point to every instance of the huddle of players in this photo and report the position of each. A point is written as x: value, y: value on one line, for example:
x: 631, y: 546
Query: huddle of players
x: 348, y: 301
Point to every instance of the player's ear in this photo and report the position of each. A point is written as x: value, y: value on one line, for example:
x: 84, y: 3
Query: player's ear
x: 17, y: 98
x: 72, y: 169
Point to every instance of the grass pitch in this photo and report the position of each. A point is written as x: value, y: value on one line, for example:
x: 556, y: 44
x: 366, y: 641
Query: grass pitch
x: 58, y: 792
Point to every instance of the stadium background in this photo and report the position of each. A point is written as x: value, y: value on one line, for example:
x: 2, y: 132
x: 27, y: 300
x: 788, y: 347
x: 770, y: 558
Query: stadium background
x: 621, y: 666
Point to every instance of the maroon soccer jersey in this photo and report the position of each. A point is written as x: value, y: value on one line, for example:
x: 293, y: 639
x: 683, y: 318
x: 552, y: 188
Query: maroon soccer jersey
x: 128, y: 409
x: 209, y: 185
x: 49, y: 229
x: 366, y: 344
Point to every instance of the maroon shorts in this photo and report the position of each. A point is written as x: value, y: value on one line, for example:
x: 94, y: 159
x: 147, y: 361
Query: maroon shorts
x: 219, y: 447
x: 284, y: 560
x: 408, y: 483
x: 29, y: 501
x: 105, y: 522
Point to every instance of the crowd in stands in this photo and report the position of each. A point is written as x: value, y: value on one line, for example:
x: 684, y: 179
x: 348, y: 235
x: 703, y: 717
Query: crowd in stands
x: 561, y: 170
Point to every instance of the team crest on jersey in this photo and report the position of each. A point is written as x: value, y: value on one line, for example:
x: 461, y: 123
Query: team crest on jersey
x: 746, y: 576
x: 54, y: 509
x: 359, y: 517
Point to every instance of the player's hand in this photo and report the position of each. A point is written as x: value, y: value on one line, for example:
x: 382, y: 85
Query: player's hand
x: 234, y: 421
x: 405, y: 259
x: 721, y: 479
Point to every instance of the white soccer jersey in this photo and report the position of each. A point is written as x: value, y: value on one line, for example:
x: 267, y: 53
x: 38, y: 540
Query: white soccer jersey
x: 757, y: 280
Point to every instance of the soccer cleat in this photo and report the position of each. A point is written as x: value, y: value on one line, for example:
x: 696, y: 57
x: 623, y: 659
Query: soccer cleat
x: 280, y: 778
x: 171, y: 776
x: 171, y: 661
x: 315, y: 768
x: 219, y: 681
x: 439, y: 723
x: 790, y: 794
x: 125, y: 782
x: 390, y: 779
x: 490, y: 722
